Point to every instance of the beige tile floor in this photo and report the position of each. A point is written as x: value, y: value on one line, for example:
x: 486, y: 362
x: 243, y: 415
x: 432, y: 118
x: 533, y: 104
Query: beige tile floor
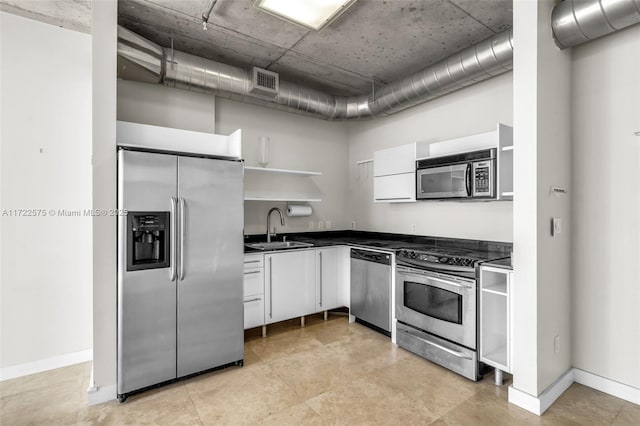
x: 325, y: 373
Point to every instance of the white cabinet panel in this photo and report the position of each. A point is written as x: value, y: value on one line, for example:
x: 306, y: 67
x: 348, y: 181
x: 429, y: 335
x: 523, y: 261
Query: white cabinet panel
x: 253, y: 260
x: 328, y: 278
x: 290, y: 285
x: 253, y: 281
x: 253, y: 290
x: 495, y: 317
x: 396, y: 160
x: 395, y: 189
x: 253, y: 311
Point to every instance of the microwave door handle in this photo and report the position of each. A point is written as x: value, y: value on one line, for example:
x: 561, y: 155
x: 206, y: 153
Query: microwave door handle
x: 467, y: 179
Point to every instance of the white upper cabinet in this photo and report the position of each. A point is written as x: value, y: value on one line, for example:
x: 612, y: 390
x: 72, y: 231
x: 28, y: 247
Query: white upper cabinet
x: 396, y: 160
x: 394, y: 174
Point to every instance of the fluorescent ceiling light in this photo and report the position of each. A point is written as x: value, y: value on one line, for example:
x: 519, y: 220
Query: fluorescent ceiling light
x: 314, y: 14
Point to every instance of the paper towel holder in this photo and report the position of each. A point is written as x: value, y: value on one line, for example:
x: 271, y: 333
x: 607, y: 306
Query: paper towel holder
x: 300, y: 210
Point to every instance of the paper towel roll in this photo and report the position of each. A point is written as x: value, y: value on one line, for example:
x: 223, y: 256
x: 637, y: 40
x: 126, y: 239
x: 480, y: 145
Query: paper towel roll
x: 295, y: 210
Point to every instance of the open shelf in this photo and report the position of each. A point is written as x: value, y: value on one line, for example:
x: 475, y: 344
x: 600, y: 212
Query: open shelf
x: 498, y: 357
x: 495, y: 290
x: 281, y: 171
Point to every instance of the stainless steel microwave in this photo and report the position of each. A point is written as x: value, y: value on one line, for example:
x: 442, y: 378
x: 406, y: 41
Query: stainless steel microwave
x: 468, y: 175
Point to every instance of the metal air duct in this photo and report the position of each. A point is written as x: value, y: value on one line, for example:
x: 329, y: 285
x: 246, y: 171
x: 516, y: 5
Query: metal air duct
x: 141, y: 59
x: 577, y: 21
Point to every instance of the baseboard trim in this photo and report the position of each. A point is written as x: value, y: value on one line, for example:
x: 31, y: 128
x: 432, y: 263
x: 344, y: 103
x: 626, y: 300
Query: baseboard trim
x: 20, y: 370
x: 100, y: 394
x: 608, y: 386
x: 524, y: 400
x: 539, y: 404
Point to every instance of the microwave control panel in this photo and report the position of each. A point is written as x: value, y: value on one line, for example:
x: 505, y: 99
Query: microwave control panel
x: 483, y: 178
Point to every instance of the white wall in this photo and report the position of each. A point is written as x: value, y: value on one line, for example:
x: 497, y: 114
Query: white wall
x: 475, y: 109
x: 46, y: 264
x: 542, y: 158
x: 104, y: 42
x: 606, y: 207
x: 163, y: 106
x: 296, y: 142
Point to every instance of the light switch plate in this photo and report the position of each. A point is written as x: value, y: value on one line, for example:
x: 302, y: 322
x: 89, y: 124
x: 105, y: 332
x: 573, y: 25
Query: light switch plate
x: 556, y: 226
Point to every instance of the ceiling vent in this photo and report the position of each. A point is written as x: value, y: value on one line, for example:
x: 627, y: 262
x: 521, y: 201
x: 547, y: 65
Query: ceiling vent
x: 265, y: 83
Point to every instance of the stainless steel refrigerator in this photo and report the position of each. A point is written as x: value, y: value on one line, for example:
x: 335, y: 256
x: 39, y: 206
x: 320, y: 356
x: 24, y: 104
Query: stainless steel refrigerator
x: 180, y: 260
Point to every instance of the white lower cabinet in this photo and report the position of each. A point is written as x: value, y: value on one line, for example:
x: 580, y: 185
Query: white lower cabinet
x: 290, y: 285
x: 253, y: 290
x: 328, y: 278
x: 253, y: 311
x: 495, y: 316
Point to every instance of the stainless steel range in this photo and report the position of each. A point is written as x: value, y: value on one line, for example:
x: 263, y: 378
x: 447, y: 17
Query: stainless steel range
x: 436, y: 307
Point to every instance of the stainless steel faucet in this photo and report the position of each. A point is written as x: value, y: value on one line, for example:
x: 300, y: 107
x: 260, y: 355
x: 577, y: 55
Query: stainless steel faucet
x: 269, y: 234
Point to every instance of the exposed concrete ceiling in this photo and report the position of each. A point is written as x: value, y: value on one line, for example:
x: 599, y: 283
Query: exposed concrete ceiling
x: 71, y: 14
x: 375, y: 40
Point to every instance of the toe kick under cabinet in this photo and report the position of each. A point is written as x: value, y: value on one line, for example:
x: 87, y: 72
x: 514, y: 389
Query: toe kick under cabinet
x: 495, y: 318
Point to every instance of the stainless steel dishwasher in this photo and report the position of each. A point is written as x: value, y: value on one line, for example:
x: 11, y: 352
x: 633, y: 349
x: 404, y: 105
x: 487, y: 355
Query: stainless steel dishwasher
x: 371, y: 288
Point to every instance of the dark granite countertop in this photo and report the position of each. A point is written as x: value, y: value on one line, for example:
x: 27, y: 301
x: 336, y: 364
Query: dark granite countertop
x: 486, y: 250
x: 500, y: 263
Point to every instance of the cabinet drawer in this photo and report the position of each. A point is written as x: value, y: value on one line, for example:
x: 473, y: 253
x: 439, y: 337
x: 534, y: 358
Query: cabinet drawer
x: 395, y: 189
x: 253, y: 311
x: 253, y: 261
x: 253, y: 282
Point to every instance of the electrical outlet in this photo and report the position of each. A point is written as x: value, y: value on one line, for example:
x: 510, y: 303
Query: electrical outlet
x: 311, y: 226
x: 328, y: 224
x: 413, y: 228
x: 320, y: 225
x: 353, y: 224
x: 556, y: 344
x: 556, y: 226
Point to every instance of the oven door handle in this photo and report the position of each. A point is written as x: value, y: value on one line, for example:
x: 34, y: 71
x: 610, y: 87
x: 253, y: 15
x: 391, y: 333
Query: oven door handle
x: 429, y: 277
x: 442, y: 348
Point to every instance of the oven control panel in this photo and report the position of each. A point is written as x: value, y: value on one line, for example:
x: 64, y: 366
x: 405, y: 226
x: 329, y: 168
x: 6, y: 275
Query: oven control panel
x: 436, y: 258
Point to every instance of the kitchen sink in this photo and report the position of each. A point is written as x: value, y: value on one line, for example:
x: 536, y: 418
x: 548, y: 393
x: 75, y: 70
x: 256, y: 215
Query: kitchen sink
x: 278, y: 245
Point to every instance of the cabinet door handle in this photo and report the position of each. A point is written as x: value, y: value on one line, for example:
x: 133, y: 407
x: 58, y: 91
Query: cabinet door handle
x: 251, y: 261
x: 270, y: 288
x: 252, y: 300
x: 252, y: 272
x: 320, y: 254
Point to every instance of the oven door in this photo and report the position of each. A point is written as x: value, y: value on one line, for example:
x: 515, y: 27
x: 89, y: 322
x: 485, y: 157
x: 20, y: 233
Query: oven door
x: 444, y: 182
x: 440, y: 304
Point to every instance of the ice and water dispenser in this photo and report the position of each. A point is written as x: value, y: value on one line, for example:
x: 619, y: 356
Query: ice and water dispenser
x: 148, y: 240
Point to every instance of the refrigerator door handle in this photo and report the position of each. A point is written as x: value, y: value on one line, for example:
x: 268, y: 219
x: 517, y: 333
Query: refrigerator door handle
x: 172, y: 243
x: 183, y: 212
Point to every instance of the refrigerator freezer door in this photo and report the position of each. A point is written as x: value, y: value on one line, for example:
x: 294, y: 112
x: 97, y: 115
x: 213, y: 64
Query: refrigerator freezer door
x: 210, y: 307
x: 146, y: 298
